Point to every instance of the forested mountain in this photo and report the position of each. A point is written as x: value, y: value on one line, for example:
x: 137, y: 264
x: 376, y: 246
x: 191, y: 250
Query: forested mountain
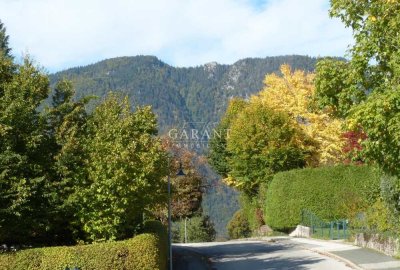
x: 192, y: 95
x: 178, y: 95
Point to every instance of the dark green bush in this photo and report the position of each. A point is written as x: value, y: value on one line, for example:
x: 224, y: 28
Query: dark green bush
x: 238, y: 226
x: 330, y: 192
x: 145, y: 252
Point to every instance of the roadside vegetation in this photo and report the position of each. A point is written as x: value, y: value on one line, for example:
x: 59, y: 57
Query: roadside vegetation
x: 326, y: 141
x: 85, y: 174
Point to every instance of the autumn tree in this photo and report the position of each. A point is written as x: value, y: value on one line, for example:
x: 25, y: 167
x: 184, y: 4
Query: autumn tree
x: 187, y: 190
x: 294, y: 93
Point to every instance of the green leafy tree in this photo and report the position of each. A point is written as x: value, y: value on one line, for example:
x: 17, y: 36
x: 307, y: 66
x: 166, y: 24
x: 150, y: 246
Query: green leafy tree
x: 25, y: 178
x: 219, y: 155
x: 262, y: 142
x: 367, y: 89
x: 123, y: 170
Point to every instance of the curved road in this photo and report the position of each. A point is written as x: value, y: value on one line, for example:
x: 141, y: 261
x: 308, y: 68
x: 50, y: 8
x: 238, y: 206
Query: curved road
x: 276, y: 254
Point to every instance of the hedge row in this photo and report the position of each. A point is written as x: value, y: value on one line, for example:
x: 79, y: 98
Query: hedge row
x: 145, y: 252
x: 330, y: 192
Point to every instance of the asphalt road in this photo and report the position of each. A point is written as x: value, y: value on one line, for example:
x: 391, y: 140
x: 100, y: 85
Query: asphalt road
x: 252, y: 255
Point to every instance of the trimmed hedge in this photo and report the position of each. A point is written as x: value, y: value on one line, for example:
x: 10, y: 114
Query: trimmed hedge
x: 145, y: 252
x: 330, y: 192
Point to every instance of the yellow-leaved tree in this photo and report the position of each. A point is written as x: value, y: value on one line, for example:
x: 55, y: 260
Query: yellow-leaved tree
x: 293, y: 93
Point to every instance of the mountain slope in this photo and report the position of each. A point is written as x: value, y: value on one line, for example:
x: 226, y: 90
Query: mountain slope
x: 178, y: 95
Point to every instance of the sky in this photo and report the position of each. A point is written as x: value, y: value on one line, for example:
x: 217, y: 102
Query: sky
x: 60, y: 34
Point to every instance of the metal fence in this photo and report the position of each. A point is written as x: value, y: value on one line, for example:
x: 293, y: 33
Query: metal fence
x: 334, y: 229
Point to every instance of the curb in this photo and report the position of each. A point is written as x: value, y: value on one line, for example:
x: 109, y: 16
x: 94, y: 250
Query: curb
x: 334, y: 256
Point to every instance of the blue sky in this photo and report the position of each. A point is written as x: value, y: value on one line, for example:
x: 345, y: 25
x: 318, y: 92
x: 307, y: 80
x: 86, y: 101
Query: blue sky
x: 66, y: 33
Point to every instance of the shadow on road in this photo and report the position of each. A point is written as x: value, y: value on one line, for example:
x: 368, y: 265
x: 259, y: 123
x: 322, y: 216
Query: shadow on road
x: 253, y: 256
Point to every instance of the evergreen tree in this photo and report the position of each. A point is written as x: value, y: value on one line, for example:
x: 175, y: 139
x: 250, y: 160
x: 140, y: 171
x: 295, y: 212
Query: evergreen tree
x: 4, y: 48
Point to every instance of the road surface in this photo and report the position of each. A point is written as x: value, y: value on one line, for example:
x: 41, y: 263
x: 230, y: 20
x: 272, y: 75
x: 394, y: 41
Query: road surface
x: 277, y: 254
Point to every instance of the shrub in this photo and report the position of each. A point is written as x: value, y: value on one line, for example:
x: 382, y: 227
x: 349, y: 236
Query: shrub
x: 252, y: 211
x: 198, y: 228
x: 146, y: 251
x: 330, y: 192
x: 238, y: 226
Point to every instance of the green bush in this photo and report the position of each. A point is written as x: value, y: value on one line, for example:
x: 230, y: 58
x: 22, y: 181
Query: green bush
x: 330, y: 192
x: 145, y: 252
x: 238, y: 226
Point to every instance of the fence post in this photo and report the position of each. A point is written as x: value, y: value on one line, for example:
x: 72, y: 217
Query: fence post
x: 331, y: 230
x: 338, y: 231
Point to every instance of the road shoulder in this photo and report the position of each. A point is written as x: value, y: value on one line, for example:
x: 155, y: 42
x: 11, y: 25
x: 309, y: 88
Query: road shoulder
x: 354, y: 256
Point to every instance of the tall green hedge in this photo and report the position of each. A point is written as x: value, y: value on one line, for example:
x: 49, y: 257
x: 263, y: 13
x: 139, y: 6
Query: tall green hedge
x: 330, y: 192
x: 144, y: 252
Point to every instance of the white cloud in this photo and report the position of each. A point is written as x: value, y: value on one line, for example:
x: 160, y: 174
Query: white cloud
x: 61, y: 34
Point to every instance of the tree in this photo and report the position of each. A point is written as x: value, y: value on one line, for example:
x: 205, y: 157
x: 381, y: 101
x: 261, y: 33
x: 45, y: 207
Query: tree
x: 218, y: 155
x: 5, y: 50
x: 261, y: 143
x: 374, y: 76
x: 187, y: 190
x: 294, y: 93
x: 25, y: 177
x: 122, y: 174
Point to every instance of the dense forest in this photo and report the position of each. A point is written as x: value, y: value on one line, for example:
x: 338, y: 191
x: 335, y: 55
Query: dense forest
x: 183, y: 96
x: 178, y: 95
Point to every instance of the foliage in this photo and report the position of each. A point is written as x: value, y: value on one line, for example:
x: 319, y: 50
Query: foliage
x: 252, y: 210
x: 379, y: 119
x: 194, y: 95
x: 352, y: 148
x: 366, y: 90
x: 261, y: 143
x: 238, y: 226
x: 187, y: 190
x: 375, y: 53
x: 122, y: 172
x: 5, y: 50
x: 140, y: 252
x: 325, y: 191
x: 390, y: 189
x: 66, y: 174
x: 381, y: 218
x: 333, y: 90
x: 218, y: 155
x: 198, y: 229
x: 293, y: 93
x: 25, y: 177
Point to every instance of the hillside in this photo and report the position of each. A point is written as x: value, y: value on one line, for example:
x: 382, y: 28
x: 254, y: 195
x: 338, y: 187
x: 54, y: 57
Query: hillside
x: 179, y: 96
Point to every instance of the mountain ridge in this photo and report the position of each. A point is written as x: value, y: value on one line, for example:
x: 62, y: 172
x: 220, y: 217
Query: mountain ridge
x: 190, y: 94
